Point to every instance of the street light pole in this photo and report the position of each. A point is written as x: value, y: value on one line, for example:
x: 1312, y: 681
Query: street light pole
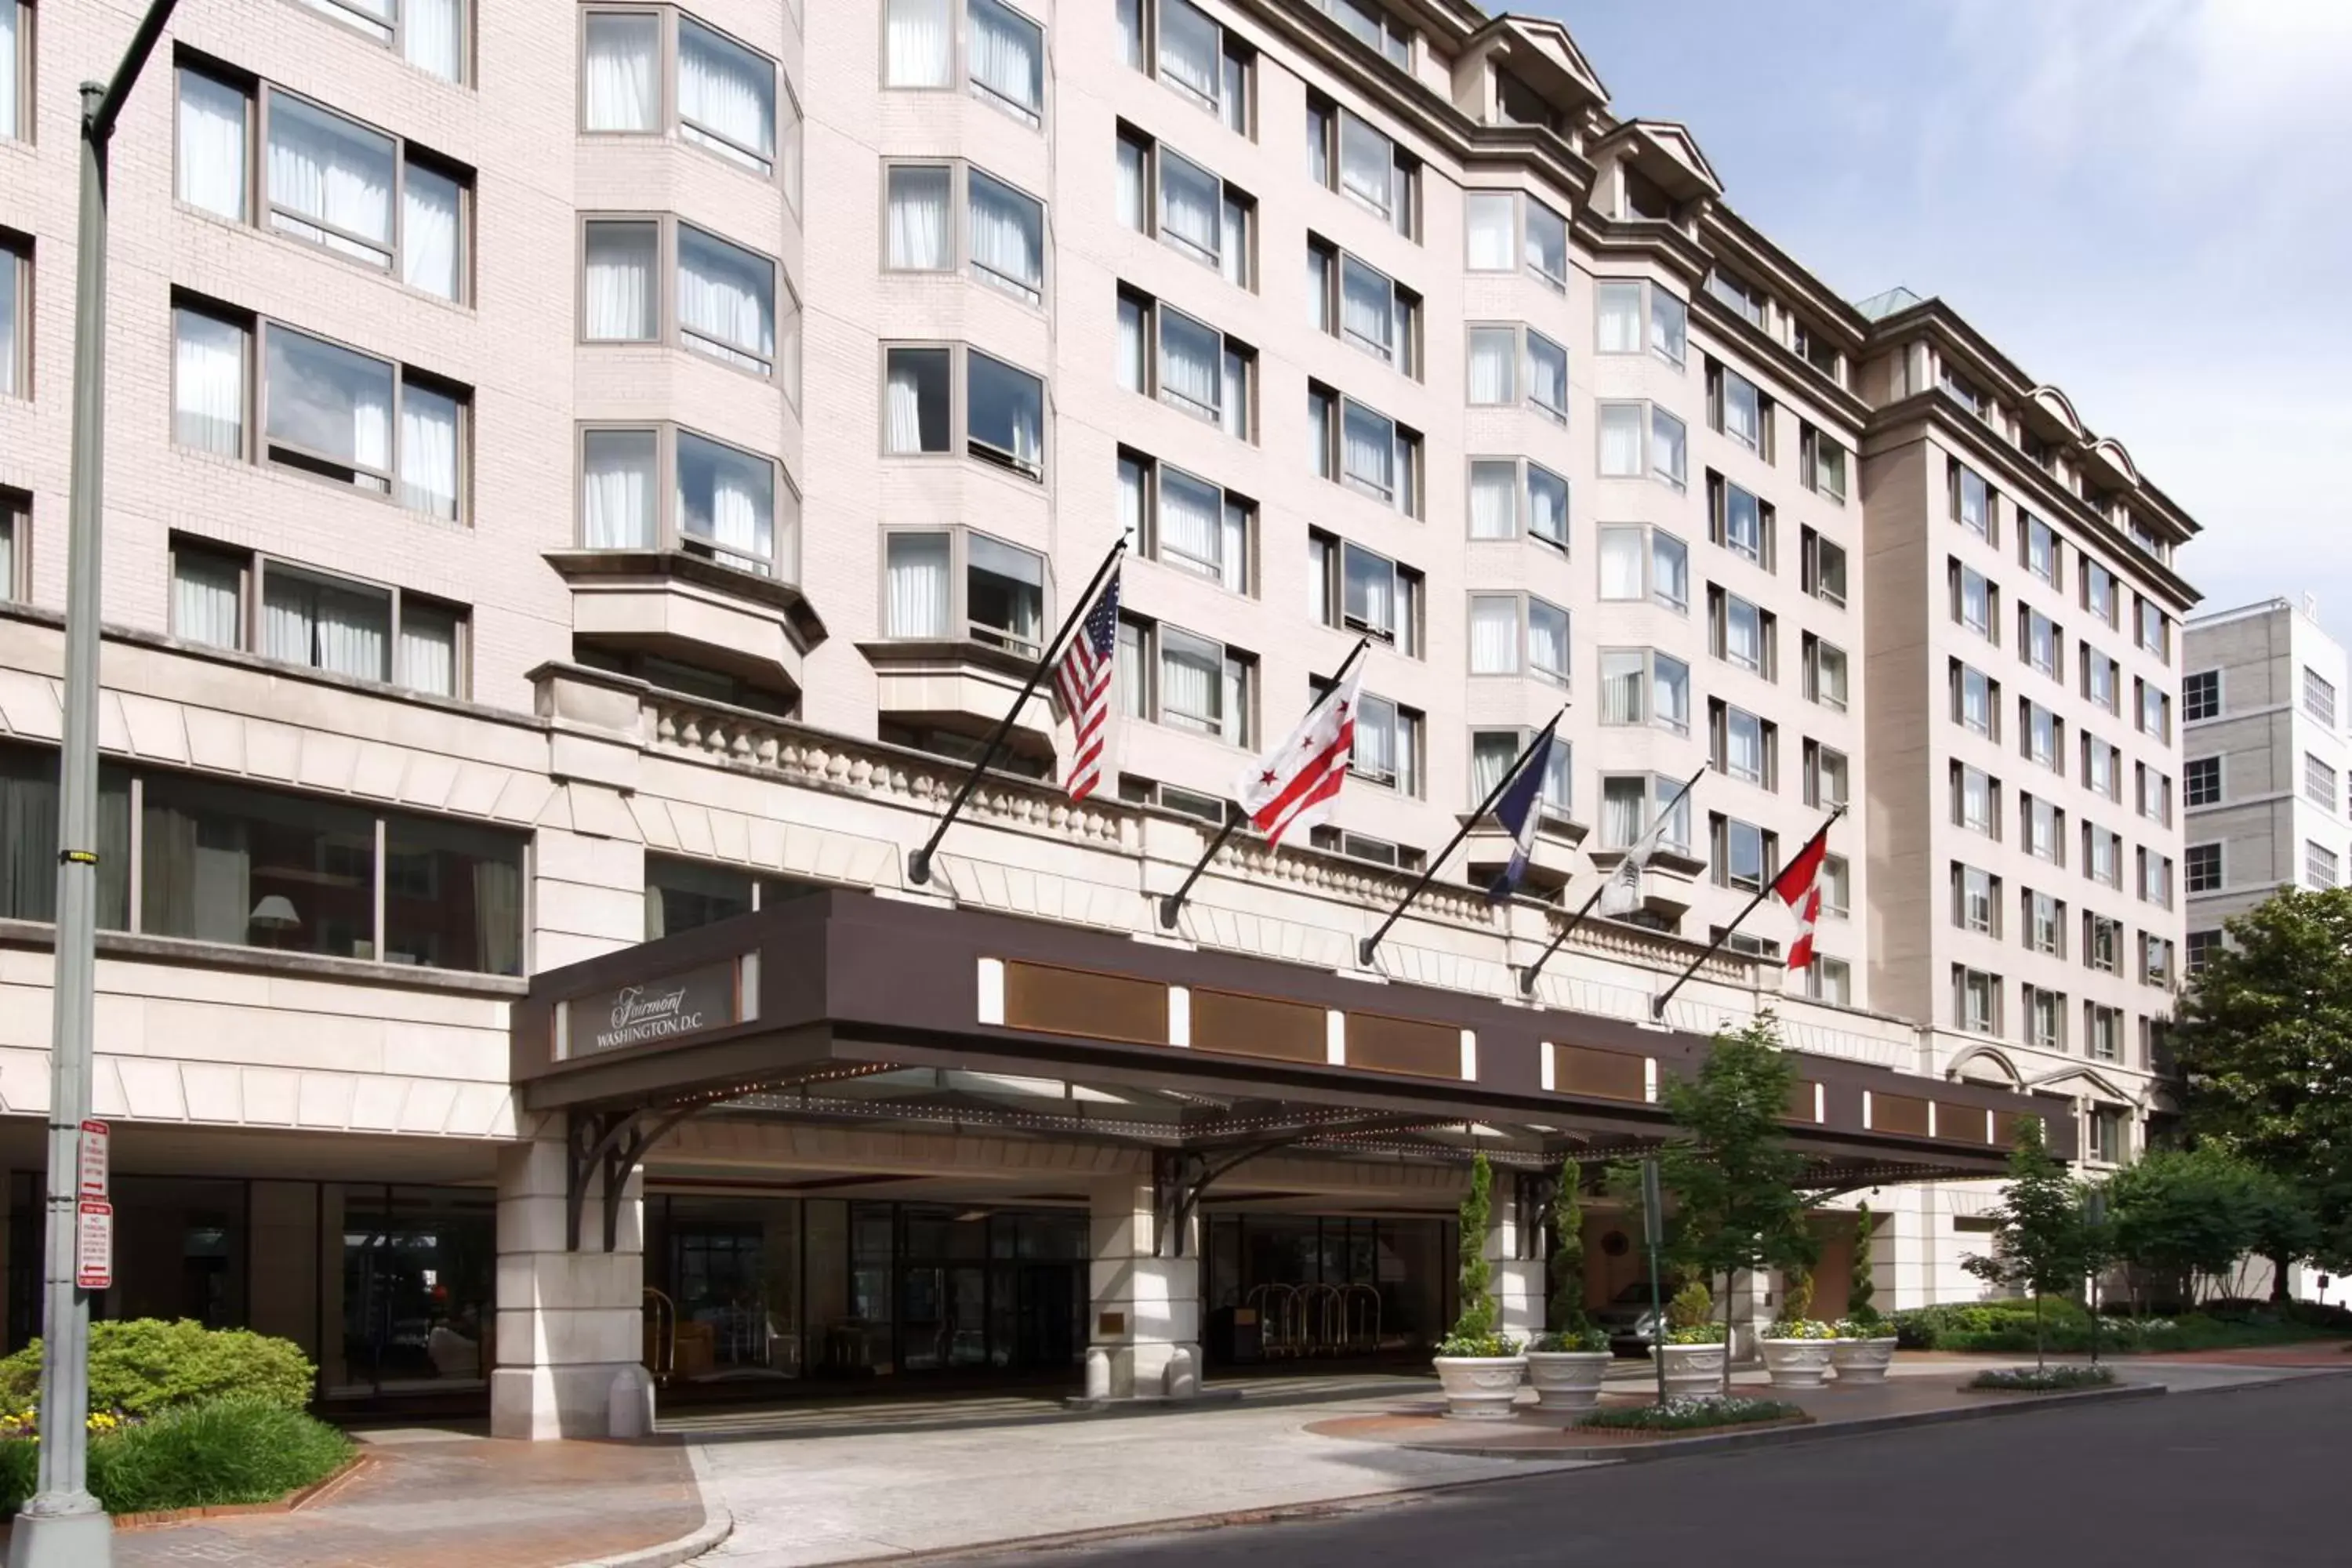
x: 62, y: 1525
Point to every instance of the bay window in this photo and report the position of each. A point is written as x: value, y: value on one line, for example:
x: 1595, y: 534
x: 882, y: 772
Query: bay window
x: 1639, y: 563
x: 1492, y: 752
x: 1637, y: 317
x: 1507, y: 230
x: 664, y: 488
x: 324, y: 178
x: 430, y: 34
x: 1169, y: 676
x: 1186, y: 206
x: 1512, y: 497
x: 1625, y: 427
x: 1184, y: 48
x: 1629, y: 803
x: 1502, y: 356
x: 1346, y: 155
x: 1185, y: 363
x: 1643, y: 686
x: 1361, y: 306
x: 1002, y: 416
x: 301, y: 616
x: 722, y: 300
x: 1358, y: 445
x: 1004, y: 54
x: 957, y: 582
x: 661, y: 70
x: 1000, y: 238
x: 1359, y: 590
x: 1182, y: 521
x: 1514, y: 632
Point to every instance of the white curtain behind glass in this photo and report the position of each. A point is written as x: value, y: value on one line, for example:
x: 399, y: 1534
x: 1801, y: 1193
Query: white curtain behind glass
x: 903, y: 401
x: 1490, y: 757
x: 1188, y: 47
x: 1548, y: 376
x: 1620, y: 439
x: 624, y: 51
x: 433, y: 37
x: 316, y: 624
x: 1371, y: 589
x: 1236, y: 557
x: 1368, y: 307
x: 1008, y: 236
x: 1621, y: 678
x: 1492, y: 219
x: 915, y: 601
x: 1190, y: 202
x: 1130, y: 186
x: 428, y: 650
x: 920, y: 43
x: 1494, y: 497
x: 726, y: 95
x: 1547, y: 505
x: 1190, y: 528
x: 208, y: 383
x: 1376, y: 749
x: 1620, y: 564
x: 428, y: 232
x: 1548, y: 641
x: 1492, y: 349
x: 1494, y: 635
x: 616, y: 489
x: 1624, y: 814
x: 1666, y: 444
x: 1131, y: 33
x: 1371, y: 449
x: 1366, y: 159
x: 212, y: 140
x: 726, y: 299
x: 331, y: 171
x: 1234, y: 237
x: 1131, y: 500
x: 1190, y: 684
x: 205, y: 599
x: 430, y: 423
x: 727, y: 498
x: 919, y: 235
x: 1621, y: 318
x: 1007, y: 55
x: 1190, y: 361
x: 332, y: 403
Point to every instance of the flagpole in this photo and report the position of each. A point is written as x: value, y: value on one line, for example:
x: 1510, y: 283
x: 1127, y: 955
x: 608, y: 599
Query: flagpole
x: 1173, y: 904
x: 1527, y: 975
x: 918, y: 864
x: 1365, y: 949
x: 1658, y: 1006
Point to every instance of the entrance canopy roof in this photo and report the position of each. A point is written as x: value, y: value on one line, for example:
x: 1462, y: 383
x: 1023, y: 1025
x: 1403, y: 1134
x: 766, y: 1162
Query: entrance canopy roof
x: 848, y: 1008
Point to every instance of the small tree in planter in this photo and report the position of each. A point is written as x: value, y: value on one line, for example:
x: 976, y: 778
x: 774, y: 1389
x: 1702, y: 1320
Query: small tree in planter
x: 1866, y: 1343
x: 1479, y: 1368
x: 2039, y: 1238
x: 1567, y: 1361
x: 1732, y: 1172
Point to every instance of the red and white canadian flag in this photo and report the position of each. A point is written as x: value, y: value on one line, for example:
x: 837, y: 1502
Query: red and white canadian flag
x: 1294, y: 785
x: 1799, y: 886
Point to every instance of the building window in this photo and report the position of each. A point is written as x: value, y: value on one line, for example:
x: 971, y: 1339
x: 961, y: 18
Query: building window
x: 721, y: 299
x: 1390, y: 738
x: 1749, y: 303
x: 2318, y: 697
x: 2102, y: 767
x: 1636, y: 316
x: 1512, y: 498
x: 1186, y: 363
x: 2155, y: 628
x: 2103, y: 940
x: 430, y: 34
x: 1823, y: 567
x: 2319, y: 864
x: 995, y: 232
x: 2202, y: 946
x: 1976, y: 1001
x: 1826, y: 773
x: 1169, y: 676
x: 1363, y: 307
x: 1509, y: 364
x: 324, y: 410
x: 664, y: 488
x: 2154, y: 960
x: 1837, y: 886
x: 1643, y: 686
x: 16, y: 70
x: 1976, y: 603
x: 15, y: 319
x: 2202, y: 867
x: 1743, y: 853
x: 2318, y: 782
x: 1511, y: 632
x: 1375, y: 26
x: 2042, y: 641
x: 1492, y: 752
x: 1823, y: 462
x: 1629, y: 803
x: 1976, y: 900
x: 16, y: 544
x: 2155, y: 710
x: 1354, y: 588
x: 1186, y: 207
x: 2042, y: 551
x: 947, y: 583
x: 1003, y: 53
x: 2106, y: 1032
x: 1741, y: 634
x: 1003, y: 414
x: 300, y: 616
x: 2045, y: 924
x: 1976, y: 800
x: 660, y: 71
x: 2045, y: 1019
x: 1182, y: 521
x: 1177, y: 42
x: 1358, y: 445
x: 2044, y: 735
x: 1825, y: 672
x: 2155, y: 877
x: 1965, y: 393
x: 1138, y: 791
x: 2045, y: 828
x: 1639, y: 563
x: 1641, y: 438
x: 1815, y: 349
x: 2103, y: 855
x: 1345, y: 154
x: 324, y: 179
x: 1973, y: 506
x: 2200, y: 696
x: 1830, y: 980
x: 1976, y: 700
x: 2101, y: 596
x: 1739, y: 521
x: 1508, y: 230
x: 1742, y: 746
x: 1737, y: 409
x: 686, y: 895
x: 2200, y: 781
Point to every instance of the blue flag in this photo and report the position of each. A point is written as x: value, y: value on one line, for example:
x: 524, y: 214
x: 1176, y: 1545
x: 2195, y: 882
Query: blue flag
x: 1517, y: 811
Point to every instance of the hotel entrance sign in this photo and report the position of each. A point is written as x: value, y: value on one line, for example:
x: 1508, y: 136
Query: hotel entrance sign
x: 653, y: 1012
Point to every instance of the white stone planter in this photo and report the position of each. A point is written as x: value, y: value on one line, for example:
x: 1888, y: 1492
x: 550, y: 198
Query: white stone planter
x: 1480, y: 1388
x: 1863, y: 1361
x: 1694, y: 1372
x: 1567, y: 1381
x: 1797, y: 1363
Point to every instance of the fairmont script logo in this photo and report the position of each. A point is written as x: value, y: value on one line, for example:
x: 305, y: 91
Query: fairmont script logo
x: 666, y: 1008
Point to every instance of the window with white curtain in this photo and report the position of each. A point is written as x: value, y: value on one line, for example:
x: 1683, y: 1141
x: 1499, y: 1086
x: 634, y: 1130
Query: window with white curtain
x: 1348, y: 155
x: 16, y: 335
x: 726, y: 300
x: 1182, y: 45
x: 1363, y: 307
x: 431, y: 35
x: 1546, y: 244
x: 15, y: 60
x: 325, y: 410
x: 209, y: 366
x: 1634, y: 316
x: 1185, y: 363
x: 1735, y: 406
x: 1005, y: 414
x: 1361, y: 590
x: 1642, y: 685
x: 1738, y: 743
x: 16, y: 536
x: 919, y: 218
x: 958, y: 582
x: 1622, y: 425
x: 1638, y: 562
x: 1495, y: 634
x: 1181, y: 519
x: 662, y: 488
x: 917, y: 393
x: 726, y: 500
x: 1825, y: 673
x: 1492, y: 752
x: 1493, y: 366
x: 919, y: 43
x: 1001, y: 238
x: 1508, y: 495
x: 1363, y: 448
x: 1169, y: 676
x: 726, y: 97
x: 661, y: 71
x: 1007, y: 238
x: 1743, y: 524
x: 1823, y: 568
x: 620, y: 496
x: 1490, y: 220
x: 621, y: 294
x: 1669, y: 448
x: 1187, y: 207
x: 1739, y: 632
x: 1547, y: 376
x: 1006, y: 55
x: 301, y: 615
x: 325, y: 179
x: 621, y: 71
x: 1389, y: 740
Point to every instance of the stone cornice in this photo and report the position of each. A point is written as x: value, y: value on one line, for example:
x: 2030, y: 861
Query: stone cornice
x: 1728, y: 323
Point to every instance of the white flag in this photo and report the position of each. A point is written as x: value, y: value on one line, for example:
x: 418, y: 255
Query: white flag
x: 1623, y: 896
x: 1294, y: 785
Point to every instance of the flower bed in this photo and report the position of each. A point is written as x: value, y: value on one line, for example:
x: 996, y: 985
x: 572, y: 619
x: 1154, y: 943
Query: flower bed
x: 1691, y: 1415
x: 2044, y: 1380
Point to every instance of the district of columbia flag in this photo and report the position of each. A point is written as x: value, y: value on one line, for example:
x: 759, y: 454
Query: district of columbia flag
x: 1799, y: 886
x: 1520, y: 812
x: 1294, y: 785
x: 1082, y: 680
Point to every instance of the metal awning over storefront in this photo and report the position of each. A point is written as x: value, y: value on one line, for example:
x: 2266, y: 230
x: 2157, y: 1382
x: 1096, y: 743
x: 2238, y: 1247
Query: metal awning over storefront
x: 849, y: 1007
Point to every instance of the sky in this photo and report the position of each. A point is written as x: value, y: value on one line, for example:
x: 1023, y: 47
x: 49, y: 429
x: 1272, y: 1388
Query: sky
x: 2146, y: 203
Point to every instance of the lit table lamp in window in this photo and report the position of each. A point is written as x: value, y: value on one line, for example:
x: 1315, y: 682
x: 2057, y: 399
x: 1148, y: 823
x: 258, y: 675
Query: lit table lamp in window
x: 275, y: 915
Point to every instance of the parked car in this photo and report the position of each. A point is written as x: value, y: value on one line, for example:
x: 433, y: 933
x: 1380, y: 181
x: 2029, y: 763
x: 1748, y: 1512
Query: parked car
x: 1631, y: 1321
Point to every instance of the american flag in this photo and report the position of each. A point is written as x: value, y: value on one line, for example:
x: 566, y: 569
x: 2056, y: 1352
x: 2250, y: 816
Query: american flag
x: 1082, y: 680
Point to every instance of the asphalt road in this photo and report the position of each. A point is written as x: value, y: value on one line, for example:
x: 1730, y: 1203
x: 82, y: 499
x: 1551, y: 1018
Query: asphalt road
x: 2243, y: 1478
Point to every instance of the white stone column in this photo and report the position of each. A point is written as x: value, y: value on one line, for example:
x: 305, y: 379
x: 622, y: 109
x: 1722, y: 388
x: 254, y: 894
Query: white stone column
x: 1141, y: 1308
x: 570, y: 1325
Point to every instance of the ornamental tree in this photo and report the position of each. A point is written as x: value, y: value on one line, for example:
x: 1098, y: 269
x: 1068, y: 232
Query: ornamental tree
x: 1862, y: 1290
x: 1473, y: 1326
x: 2041, y: 1241
x: 1564, y: 1298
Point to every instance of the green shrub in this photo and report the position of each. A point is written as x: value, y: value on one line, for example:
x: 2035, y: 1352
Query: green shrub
x: 148, y: 1365
x: 1943, y: 1327
x: 1689, y: 1415
x: 231, y: 1450
x: 2044, y: 1380
x: 2006, y: 1327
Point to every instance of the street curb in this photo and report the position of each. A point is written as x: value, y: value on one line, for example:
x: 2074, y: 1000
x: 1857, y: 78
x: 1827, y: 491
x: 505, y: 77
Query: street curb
x: 1811, y: 1432
x: 717, y: 1524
